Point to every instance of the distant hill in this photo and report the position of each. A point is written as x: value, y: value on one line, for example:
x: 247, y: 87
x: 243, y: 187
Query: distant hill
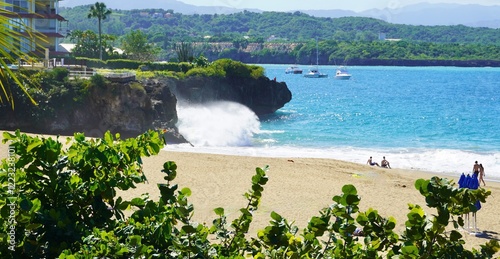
x: 472, y: 15
x: 177, y: 6
x: 418, y: 14
x: 440, y: 14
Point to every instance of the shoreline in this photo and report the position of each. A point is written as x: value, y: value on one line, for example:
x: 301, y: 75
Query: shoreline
x: 413, y: 161
x: 298, y: 188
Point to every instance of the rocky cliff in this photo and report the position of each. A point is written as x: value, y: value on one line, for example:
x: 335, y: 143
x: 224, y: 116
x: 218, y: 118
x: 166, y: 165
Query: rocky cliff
x: 262, y: 96
x: 133, y: 107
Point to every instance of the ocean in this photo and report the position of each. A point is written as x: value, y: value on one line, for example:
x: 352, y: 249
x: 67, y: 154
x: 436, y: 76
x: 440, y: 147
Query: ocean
x: 437, y: 119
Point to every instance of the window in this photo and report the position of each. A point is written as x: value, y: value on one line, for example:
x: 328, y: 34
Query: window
x: 9, y: 8
x: 20, y: 6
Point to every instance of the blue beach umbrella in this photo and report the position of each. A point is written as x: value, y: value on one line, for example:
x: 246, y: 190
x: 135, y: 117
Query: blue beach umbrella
x: 478, y: 205
x: 467, y: 180
x: 473, y: 182
x: 461, y: 181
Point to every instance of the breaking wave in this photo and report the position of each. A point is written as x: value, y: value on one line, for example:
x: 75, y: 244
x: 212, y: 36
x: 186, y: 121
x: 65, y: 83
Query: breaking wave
x: 217, y: 124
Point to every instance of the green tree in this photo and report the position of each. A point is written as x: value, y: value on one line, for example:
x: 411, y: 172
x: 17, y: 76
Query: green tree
x: 100, y: 12
x: 135, y: 45
x: 87, y: 44
x: 184, y: 52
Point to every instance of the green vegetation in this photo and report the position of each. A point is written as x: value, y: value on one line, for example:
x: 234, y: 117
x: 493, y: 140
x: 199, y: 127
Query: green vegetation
x: 87, y: 45
x: 257, y: 27
x: 51, y: 89
x: 278, y: 37
x: 135, y: 44
x: 61, y: 201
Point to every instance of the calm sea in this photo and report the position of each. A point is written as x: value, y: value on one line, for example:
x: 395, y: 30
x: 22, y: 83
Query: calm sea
x: 438, y: 119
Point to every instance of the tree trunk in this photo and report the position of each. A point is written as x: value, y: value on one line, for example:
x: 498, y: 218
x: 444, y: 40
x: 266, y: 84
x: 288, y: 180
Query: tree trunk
x: 100, y: 42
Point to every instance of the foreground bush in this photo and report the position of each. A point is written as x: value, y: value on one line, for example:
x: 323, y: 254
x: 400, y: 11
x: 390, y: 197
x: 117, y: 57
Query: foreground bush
x: 61, y: 202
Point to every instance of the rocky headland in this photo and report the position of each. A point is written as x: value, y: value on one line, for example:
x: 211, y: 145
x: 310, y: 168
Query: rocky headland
x: 131, y: 108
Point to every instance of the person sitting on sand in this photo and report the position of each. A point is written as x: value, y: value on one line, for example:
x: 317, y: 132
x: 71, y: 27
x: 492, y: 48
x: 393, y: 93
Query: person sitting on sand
x: 370, y: 162
x: 385, y: 163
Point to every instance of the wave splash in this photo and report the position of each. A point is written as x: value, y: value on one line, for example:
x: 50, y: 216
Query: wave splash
x: 217, y: 124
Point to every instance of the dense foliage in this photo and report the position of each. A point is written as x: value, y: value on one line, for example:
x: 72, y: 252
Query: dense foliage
x: 61, y: 201
x: 279, y: 37
x: 292, y: 27
x: 87, y: 44
x: 52, y: 91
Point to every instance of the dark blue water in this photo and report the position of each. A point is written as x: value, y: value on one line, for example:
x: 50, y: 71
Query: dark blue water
x: 438, y: 119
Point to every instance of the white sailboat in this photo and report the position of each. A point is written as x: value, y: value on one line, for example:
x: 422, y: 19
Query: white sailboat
x: 314, y: 72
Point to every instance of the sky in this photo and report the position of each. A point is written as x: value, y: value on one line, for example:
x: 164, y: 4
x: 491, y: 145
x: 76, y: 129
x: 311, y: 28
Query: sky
x: 289, y: 5
x: 353, y: 5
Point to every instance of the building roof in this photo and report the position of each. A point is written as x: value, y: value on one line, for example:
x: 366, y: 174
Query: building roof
x: 35, y: 15
x: 68, y: 47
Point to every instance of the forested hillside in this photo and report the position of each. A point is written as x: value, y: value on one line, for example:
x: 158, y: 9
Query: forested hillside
x: 166, y: 25
x: 279, y: 37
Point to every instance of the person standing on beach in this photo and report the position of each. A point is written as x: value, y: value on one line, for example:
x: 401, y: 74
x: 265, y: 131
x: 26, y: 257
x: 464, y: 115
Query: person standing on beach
x: 370, y: 162
x: 481, y: 174
x: 385, y: 163
x: 475, y: 169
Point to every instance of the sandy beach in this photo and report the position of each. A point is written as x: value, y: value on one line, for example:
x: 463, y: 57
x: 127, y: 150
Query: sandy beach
x: 298, y: 188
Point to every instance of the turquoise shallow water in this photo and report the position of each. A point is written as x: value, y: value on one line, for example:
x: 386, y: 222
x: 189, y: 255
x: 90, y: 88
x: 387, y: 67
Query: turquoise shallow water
x: 438, y: 119
x: 392, y: 107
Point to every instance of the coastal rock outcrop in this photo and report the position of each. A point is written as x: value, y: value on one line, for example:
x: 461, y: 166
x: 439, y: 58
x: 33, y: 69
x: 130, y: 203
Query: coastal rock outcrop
x: 131, y: 108
x: 262, y: 96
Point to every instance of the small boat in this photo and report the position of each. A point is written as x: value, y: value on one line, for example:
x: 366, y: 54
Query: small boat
x: 293, y: 70
x: 342, y: 74
x: 314, y: 72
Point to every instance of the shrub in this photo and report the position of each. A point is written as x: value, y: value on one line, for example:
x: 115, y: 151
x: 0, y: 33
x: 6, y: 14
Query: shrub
x: 61, y: 196
x: 208, y: 72
x: 123, y: 64
x: 256, y: 71
x: 170, y: 66
x: 59, y: 74
x: 137, y: 87
x: 98, y: 80
x: 233, y: 68
x: 91, y: 62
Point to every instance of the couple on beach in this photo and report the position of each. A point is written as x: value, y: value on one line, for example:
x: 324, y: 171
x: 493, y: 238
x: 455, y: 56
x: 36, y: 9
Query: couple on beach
x: 478, y: 170
x: 384, y: 163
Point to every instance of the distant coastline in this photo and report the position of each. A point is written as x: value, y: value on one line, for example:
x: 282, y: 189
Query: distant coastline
x: 407, y: 63
x: 416, y: 63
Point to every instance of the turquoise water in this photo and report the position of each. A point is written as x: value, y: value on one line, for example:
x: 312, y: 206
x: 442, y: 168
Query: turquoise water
x: 438, y: 119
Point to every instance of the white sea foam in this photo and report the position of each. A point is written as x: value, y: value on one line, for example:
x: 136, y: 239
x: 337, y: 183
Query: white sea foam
x: 443, y: 162
x: 270, y: 131
x: 220, y: 124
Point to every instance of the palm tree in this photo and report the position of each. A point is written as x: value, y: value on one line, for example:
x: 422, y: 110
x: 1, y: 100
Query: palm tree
x: 99, y: 11
x: 10, y: 48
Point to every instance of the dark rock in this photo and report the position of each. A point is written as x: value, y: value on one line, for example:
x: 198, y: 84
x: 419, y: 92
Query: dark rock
x: 262, y: 96
x: 132, y: 108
